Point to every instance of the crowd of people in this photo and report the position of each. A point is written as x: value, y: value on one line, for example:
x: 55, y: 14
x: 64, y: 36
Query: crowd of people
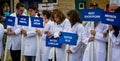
x: 54, y: 23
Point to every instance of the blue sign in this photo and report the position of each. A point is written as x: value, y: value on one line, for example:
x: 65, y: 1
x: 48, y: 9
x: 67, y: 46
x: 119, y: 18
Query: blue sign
x: 68, y: 38
x: 23, y: 20
x: 53, y: 42
x: 111, y: 18
x: 9, y: 20
x: 37, y: 22
x: 91, y: 14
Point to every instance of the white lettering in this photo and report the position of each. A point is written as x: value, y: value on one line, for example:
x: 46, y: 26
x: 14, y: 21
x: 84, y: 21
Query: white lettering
x: 53, y: 43
x: 91, y: 13
x: 111, y: 16
x: 23, y: 19
x: 67, y: 40
x: 67, y: 37
x: 108, y: 19
x: 91, y: 16
x: 23, y: 22
x: 9, y: 20
x: 52, y: 40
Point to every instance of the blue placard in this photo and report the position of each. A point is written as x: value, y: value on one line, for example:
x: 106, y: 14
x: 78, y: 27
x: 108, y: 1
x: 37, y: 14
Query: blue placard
x: 23, y: 20
x: 9, y: 20
x: 37, y: 22
x: 68, y: 38
x: 91, y: 14
x: 111, y: 18
x: 53, y: 42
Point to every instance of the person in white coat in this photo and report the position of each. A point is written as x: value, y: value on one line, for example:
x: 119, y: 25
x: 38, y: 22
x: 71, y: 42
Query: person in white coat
x: 99, y: 41
x: 1, y: 38
x: 14, y: 42
x: 30, y: 43
x: 115, y: 41
x: 61, y: 25
x: 44, y: 50
x: 75, y: 51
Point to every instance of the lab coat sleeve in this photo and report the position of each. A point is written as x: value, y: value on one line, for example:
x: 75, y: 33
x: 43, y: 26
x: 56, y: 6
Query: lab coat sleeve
x: 115, y: 41
x: 79, y: 41
x: 99, y: 35
x: 67, y: 26
x: 17, y: 31
x: 85, y: 35
x: 1, y: 32
x: 31, y: 33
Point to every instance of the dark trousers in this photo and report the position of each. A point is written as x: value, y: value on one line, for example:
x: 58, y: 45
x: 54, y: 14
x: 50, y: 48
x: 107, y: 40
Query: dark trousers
x: 15, y: 55
x: 52, y: 59
x: 30, y: 58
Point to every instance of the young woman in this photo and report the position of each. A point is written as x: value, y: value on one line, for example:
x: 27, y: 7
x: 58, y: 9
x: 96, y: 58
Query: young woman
x: 61, y: 25
x: 75, y: 52
x: 30, y: 47
x: 115, y: 41
x: 44, y: 50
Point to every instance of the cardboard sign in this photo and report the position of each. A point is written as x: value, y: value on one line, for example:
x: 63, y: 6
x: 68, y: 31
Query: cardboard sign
x: 53, y: 42
x: 68, y: 38
x: 37, y: 22
x: 9, y: 20
x: 23, y: 20
x: 111, y: 18
x: 91, y: 14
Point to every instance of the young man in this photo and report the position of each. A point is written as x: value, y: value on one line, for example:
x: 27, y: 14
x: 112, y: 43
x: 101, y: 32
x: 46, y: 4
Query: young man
x: 14, y: 43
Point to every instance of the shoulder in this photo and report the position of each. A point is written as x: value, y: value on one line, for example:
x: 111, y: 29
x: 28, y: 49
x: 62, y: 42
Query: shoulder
x: 13, y: 14
x: 66, y: 20
x: 79, y: 25
x: 1, y: 26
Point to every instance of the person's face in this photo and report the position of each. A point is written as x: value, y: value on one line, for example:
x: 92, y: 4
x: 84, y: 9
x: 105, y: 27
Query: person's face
x: 20, y: 10
x: 56, y: 18
x: 32, y: 12
x: 112, y: 8
x: 43, y: 16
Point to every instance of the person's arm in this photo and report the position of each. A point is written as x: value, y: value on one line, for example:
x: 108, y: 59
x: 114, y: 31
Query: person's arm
x: 1, y: 31
x: 79, y: 41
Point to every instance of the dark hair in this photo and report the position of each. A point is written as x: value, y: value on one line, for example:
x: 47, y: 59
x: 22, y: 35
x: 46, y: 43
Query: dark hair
x: 47, y: 13
x: 107, y: 5
x: 94, y: 5
x: 32, y: 7
x: 19, y: 5
x: 74, y: 17
x: 116, y: 28
x: 117, y: 10
x: 59, y: 14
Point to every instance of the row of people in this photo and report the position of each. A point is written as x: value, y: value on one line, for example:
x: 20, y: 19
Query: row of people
x: 54, y: 23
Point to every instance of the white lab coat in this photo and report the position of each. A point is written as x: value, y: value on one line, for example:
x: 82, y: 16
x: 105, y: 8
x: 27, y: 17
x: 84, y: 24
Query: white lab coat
x: 115, y: 46
x: 30, y: 41
x: 44, y: 50
x: 99, y: 42
x: 14, y: 41
x: 1, y: 38
x: 65, y: 27
x: 76, y: 54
